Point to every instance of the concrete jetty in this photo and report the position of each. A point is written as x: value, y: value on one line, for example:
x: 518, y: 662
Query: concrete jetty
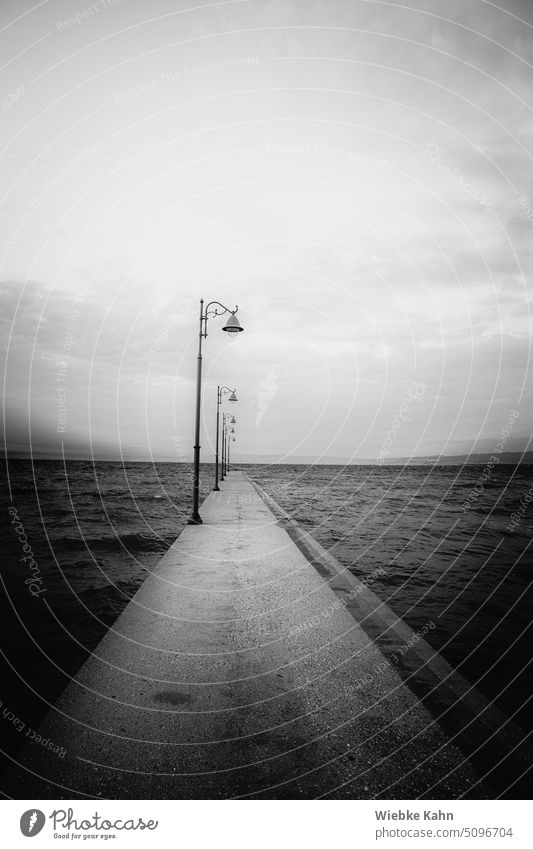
x: 249, y: 664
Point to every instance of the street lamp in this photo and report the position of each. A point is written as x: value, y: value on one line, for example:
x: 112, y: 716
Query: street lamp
x: 233, y: 327
x: 221, y: 390
x: 225, y: 442
x: 230, y: 440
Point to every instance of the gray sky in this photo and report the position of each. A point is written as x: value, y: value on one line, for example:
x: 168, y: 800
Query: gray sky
x: 357, y: 176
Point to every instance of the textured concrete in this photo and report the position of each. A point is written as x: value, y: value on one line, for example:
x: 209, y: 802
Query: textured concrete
x: 235, y: 671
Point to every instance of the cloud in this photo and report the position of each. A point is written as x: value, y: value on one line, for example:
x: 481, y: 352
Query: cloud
x: 298, y: 186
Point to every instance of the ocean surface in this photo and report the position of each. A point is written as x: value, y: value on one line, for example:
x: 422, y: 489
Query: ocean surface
x: 96, y: 530
x: 450, y: 545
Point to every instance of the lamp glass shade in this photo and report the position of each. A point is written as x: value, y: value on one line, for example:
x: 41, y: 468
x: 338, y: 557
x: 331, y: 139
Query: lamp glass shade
x: 233, y: 397
x: 232, y: 325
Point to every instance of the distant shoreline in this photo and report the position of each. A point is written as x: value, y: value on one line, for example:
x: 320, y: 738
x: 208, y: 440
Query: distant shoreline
x: 507, y: 459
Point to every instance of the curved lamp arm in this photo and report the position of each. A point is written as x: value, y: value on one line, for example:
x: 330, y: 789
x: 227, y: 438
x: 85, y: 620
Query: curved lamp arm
x: 223, y: 390
x: 215, y: 312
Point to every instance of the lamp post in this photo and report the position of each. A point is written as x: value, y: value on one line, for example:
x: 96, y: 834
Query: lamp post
x: 232, y: 421
x: 221, y: 390
x: 222, y: 468
x: 227, y: 439
x: 225, y: 443
x: 232, y: 326
x: 230, y: 440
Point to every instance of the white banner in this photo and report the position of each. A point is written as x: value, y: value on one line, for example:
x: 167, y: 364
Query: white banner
x: 257, y: 824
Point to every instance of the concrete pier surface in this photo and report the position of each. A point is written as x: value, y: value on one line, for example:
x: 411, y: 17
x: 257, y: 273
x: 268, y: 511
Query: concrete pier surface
x: 250, y: 665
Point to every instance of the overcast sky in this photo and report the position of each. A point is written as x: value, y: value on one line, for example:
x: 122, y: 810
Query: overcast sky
x: 355, y: 175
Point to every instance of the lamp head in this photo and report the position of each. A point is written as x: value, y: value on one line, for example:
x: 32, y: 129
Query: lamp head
x: 233, y: 420
x: 232, y: 325
x: 233, y: 397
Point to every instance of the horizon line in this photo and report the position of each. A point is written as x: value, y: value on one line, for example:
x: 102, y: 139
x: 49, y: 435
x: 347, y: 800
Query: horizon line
x: 525, y: 457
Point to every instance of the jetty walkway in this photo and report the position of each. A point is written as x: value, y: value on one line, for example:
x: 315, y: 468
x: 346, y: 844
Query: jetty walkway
x: 249, y: 664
